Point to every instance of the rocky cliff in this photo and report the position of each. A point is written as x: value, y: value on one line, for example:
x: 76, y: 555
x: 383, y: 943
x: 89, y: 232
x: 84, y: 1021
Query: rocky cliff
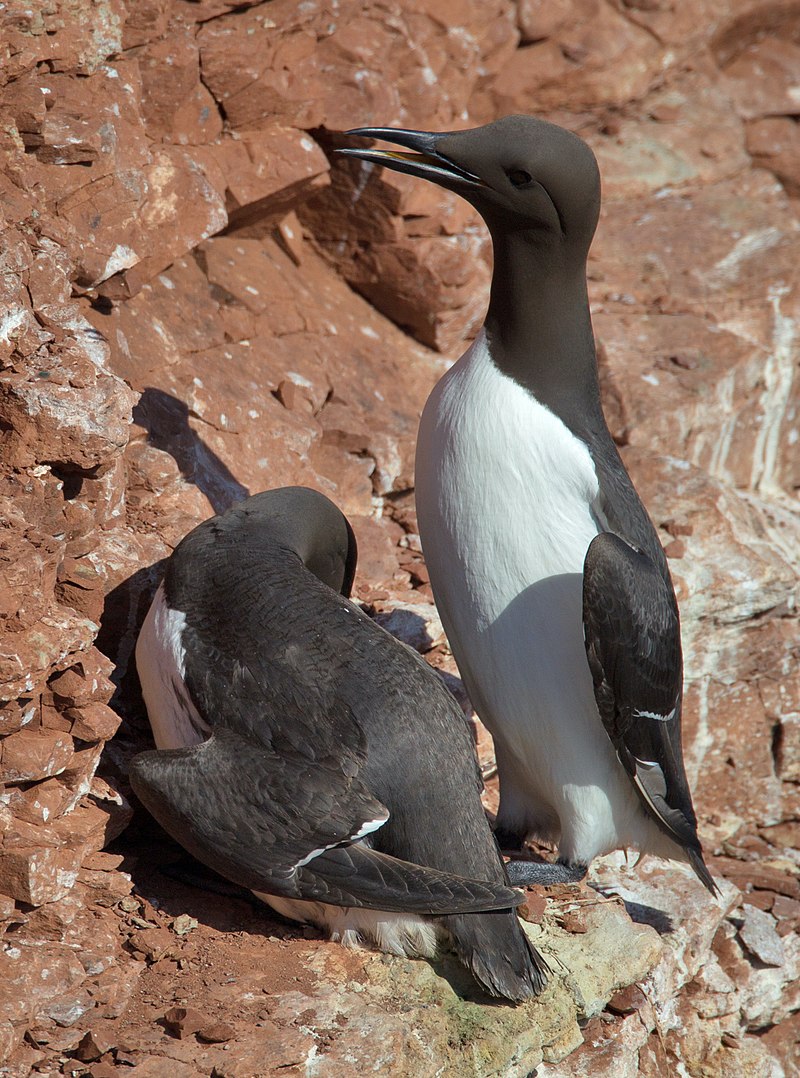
x: 198, y: 303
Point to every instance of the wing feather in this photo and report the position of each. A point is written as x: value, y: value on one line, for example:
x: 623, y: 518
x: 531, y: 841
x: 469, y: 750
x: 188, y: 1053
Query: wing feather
x: 633, y: 644
x: 225, y: 802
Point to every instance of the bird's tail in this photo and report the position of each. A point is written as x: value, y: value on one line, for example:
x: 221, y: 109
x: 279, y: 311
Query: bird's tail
x: 494, y: 947
x: 695, y: 855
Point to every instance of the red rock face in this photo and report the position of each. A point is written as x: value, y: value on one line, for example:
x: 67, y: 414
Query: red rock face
x: 198, y: 302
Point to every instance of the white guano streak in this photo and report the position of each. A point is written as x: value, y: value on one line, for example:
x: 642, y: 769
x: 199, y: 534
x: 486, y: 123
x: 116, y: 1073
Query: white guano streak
x: 727, y: 269
x: 778, y: 379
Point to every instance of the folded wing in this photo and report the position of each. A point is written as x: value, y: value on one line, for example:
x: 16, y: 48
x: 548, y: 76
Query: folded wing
x: 272, y: 826
x: 633, y: 644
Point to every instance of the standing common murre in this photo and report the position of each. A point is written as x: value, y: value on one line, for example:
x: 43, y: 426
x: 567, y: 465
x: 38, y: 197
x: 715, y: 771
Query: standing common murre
x: 540, y: 552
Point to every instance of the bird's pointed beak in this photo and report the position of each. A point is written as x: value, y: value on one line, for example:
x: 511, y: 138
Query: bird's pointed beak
x: 424, y: 160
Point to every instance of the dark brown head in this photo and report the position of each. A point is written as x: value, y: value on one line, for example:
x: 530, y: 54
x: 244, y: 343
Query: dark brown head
x: 520, y: 173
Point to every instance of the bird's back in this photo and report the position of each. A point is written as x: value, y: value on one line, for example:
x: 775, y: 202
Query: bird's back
x: 249, y: 602
x: 290, y: 668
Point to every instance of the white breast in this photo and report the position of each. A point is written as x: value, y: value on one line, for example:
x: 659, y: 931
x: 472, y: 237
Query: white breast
x: 493, y: 459
x: 507, y: 506
x: 161, y: 664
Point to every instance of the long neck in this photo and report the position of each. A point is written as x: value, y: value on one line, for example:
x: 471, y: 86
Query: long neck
x: 539, y: 328
x: 539, y: 332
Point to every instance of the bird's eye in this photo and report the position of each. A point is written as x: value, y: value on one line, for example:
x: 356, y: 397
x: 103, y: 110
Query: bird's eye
x: 519, y: 177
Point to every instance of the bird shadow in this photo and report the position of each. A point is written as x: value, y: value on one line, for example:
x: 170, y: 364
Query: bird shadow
x: 639, y: 912
x: 166, y: 420
x: 174, y: 883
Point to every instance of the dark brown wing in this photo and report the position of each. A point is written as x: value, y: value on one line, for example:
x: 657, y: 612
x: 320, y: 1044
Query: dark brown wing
x: 633, y: 644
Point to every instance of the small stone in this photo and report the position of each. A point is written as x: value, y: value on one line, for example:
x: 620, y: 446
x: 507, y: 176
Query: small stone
x: 216, y: 1032
x: 418, y: 571
x: 532, y: 909
x: 153, y: 943
x: 627, y: 1000
x: 759, y: 935
x: 786, y: 909
x: 103, y: 1070
x: 182, y: 1022
x: 184, y: 924
x: 765, y: 900
x: 574, y: 921
x: 92, y: 1046
x: 677, y: 528
x: 416, y: 624
x: 675, y: 549
x: 287, y: 393
x: 101, y: 861
x: 37, y: 1038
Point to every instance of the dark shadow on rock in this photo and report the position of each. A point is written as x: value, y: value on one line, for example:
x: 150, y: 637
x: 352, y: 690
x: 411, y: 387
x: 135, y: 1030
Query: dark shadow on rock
x: 173, y: 881
x: 642, y: 914
x: 166, y: 420
x: 123, y: 613
x: 649, y: 915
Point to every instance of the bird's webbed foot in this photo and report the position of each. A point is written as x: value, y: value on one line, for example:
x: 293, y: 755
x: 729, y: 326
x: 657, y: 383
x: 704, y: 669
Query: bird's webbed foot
x: 544, y: 873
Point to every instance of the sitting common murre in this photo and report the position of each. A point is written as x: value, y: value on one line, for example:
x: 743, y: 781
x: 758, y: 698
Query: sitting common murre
x: 540, y: 552
x: 306, y: 754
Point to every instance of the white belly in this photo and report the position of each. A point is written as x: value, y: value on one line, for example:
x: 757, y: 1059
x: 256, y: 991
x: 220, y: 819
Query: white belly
x: 507, y: 507
x: 160, y: 662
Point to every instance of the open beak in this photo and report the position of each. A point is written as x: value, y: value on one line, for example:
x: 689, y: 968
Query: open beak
x: 424, y: 160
